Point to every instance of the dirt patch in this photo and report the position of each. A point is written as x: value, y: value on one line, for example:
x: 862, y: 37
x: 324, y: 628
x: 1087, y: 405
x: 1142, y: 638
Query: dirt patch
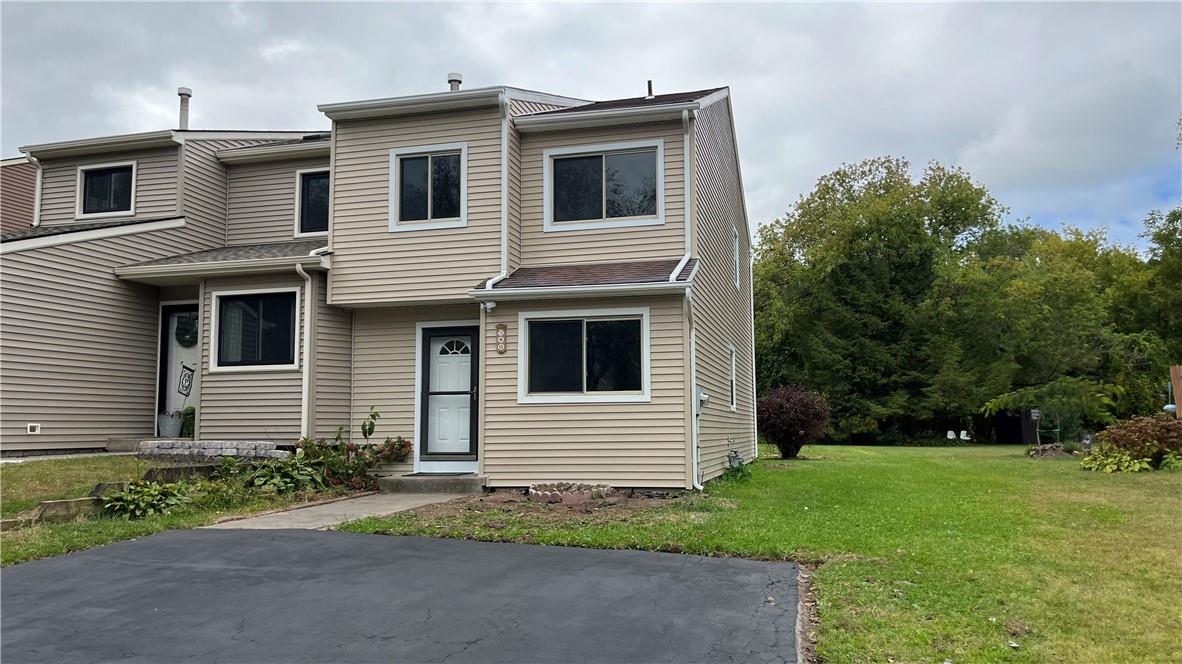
x: 807, y: 622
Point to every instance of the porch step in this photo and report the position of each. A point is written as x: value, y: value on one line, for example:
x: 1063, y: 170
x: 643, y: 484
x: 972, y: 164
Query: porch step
x: 423, y: 483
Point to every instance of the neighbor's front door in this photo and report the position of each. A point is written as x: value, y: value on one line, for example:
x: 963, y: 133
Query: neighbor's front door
x: 180, y: 357
x: 448, y: 400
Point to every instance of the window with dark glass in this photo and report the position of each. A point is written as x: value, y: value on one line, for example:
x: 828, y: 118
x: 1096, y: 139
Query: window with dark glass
x: 583, y: 356
x: 314, y: 202
x: 106, y: 190
x: 256, y: 329
x: 429, y: 187
x: 615, y: 185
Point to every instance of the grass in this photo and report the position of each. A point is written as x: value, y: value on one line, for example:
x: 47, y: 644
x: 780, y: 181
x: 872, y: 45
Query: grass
x: 23, y: 485
x: 972, y: 554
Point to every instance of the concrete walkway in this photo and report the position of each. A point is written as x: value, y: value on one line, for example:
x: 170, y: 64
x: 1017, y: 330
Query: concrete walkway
x: 319, y: 517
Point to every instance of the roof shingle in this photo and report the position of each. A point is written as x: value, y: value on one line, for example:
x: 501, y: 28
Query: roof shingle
x: 296, y: 249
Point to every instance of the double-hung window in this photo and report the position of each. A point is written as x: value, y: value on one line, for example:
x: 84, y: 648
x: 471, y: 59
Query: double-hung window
x: 311, y: 203
x: 734, y: 381
x: 595, y: 355
x: 255, y: 330
x: 604, y: 186
x: 429, y: 187
x: 106, y: 190
x: 738, y: 246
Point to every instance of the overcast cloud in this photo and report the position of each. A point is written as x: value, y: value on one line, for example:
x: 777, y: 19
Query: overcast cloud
x: 1067, y: 112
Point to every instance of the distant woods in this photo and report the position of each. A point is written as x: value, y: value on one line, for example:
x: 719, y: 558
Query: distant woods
x: 910, y: 305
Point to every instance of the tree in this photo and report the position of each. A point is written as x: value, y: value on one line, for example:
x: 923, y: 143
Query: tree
x: 790, y: 418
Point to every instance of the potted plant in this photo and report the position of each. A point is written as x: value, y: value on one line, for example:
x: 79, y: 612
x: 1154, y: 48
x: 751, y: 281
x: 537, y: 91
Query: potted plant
x: 170, y: 423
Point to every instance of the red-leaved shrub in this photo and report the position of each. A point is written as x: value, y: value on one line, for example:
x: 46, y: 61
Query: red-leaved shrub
x: 1145, y: 437
x: 791, y: 417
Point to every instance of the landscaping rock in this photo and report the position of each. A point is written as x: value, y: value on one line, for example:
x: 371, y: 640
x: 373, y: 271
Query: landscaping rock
x: 568, y: 492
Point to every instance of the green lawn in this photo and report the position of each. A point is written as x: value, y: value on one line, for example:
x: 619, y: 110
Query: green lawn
x: 23, y: 485
x: 927, y: 554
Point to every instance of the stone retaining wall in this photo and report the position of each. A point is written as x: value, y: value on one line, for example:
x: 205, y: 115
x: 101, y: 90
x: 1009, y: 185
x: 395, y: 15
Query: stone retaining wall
x: 213, y: 448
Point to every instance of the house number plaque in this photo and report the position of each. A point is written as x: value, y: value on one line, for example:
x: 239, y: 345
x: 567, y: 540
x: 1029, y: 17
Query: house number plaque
x: 502, y: 338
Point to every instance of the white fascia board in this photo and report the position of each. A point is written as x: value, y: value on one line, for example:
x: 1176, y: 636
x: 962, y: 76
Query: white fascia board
x: 586, y: 119
x: 275, y: 152
x: 246, y: 266
x: 92, y: 234
x: 439, y: 101
x: 103, y: 144
x: 561, y: 292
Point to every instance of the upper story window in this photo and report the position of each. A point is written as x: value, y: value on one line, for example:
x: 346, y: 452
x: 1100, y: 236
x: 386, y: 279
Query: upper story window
x: 738, y: 276
x: 429, y: 187
x: 604, y: 186
x: 593, y: 355
x: 255, y: 330
x: 311, y: 202
x: 106, y: 190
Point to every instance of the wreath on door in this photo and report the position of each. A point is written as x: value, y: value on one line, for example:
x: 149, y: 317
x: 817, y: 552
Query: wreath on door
x: 186, y: 331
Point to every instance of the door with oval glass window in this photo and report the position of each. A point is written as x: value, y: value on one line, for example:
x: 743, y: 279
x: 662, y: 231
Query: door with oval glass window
x: 448, y: 400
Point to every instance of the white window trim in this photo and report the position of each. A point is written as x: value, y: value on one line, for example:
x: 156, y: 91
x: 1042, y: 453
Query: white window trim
x: 299, y: 181
x: 396, y: 177
x: 734, y: 385
x: 80, y: 189
x: 213, y: 331
x: 523, y: 395
x: 738, y: 279
x: 551, y: 226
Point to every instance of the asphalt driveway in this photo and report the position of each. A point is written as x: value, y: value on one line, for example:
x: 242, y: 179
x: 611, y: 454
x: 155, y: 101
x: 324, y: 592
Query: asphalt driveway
x: 298, y: 595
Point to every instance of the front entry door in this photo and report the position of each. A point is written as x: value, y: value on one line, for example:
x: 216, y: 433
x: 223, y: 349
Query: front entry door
x: 448, y: 400
x: 180, y: 357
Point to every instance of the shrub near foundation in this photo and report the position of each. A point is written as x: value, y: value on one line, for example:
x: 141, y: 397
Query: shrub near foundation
x: 1138, y: 443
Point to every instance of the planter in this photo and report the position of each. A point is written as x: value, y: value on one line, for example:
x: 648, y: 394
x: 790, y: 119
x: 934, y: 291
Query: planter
x: 170, y: 425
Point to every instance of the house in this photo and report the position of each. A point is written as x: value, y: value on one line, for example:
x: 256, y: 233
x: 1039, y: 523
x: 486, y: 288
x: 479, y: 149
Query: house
x: 528, y: 286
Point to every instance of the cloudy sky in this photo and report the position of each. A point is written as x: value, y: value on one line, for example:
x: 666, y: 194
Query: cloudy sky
x: 1067, y: 112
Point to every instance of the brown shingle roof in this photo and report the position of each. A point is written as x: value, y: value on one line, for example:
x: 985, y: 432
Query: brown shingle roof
x: 594, y: 274
x: 634, y: 102
x: 62, y: 229
x: 295, y: 249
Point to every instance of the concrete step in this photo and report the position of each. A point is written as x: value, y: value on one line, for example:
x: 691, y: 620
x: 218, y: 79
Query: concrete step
x: 471, y: 484
x: 126, y: 444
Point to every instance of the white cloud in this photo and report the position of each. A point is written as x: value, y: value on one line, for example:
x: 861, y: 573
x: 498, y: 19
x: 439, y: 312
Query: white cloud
x: 1064, y: 110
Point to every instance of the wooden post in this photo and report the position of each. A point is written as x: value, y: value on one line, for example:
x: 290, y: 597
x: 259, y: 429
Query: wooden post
x: 1176, y: 379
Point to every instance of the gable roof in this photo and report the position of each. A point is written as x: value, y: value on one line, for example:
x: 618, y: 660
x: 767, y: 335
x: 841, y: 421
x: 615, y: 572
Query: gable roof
x: 62, y: 229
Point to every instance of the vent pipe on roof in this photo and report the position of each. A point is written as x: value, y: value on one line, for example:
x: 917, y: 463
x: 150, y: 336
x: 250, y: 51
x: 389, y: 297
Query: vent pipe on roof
x: 454, y: 79
x: 184, y: 94
x: 650, y: 89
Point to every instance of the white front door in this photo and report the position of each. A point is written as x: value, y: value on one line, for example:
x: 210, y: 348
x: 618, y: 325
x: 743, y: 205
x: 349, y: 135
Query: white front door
x: 180, y: 358
x: 448, y: 400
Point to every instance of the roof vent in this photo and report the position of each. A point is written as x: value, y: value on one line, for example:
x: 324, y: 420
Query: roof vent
x: 454, y: 79
x: 650, y: 90
x: 184, y: 94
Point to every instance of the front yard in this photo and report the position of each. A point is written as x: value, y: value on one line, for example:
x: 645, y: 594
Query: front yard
x: 24, y: 485
x: 974, y: 554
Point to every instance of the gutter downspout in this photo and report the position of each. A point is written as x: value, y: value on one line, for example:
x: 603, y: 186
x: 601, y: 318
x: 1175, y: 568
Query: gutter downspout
x: 686, y: 184
x: 306, y: 384
x: 36, y: 192
x: 696, y: 400
x: 503, y: 103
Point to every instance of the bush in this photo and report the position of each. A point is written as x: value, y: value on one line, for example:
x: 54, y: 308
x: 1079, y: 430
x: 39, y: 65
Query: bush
x: 791, y: 417
x: 188, y: 421
x: 220, y: 495
x: 1150, y: 438
x: 295, y: 473
x: 1108, y: 459
x: 142, y: 498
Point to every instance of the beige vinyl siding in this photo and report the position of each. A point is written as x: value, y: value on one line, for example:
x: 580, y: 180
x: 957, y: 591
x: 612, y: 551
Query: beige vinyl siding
x: 525, y: 107
x: 514, y: 243
x: 384, y: 366
x: 249, y: 405
x: 332, y: 348
x: 372, y: 265
x: 18, y: 189
x: 624, y: 444
x: 204, y: 193
x: 155, y: 184
x: 262, y: 204
x: 722, y: 314
x: 79, y: 346
x: 588, y: 246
